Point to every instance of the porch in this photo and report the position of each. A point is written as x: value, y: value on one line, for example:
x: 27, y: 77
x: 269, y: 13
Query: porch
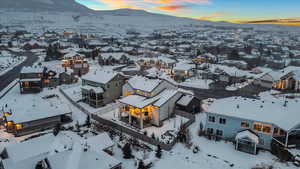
x: 138, y: 117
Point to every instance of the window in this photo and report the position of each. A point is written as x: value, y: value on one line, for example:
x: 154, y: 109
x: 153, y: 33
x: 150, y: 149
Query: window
x: 266, y: 129
x: 222, y: 121
x: 282, y: 132
x: 210, y: 131
x: 108, y: 86
x: 211, y: 119
x: 245, y: 124
x: 219, y: 133
x: 276, y: 130
x: 257, y: 127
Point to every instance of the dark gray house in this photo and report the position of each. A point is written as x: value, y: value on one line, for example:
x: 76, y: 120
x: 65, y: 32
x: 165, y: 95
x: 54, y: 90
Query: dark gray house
x: 101, y: 87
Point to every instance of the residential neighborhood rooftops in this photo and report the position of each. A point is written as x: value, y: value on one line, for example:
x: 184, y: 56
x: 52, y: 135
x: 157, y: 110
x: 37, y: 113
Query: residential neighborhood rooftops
x: 66, y: 150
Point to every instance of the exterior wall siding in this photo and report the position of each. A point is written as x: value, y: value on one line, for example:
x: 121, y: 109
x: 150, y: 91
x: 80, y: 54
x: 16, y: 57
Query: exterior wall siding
x: 233, y: 126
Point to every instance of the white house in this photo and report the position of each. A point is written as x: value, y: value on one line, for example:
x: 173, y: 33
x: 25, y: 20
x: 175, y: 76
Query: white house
x: 66, y: 150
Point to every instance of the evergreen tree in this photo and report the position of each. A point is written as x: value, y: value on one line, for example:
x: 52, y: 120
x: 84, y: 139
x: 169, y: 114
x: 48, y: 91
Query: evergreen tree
x: 158, y: 152
x: 56, y: 129
x: 88, y: 121
x: 141, y: 165
x: 127, y: 151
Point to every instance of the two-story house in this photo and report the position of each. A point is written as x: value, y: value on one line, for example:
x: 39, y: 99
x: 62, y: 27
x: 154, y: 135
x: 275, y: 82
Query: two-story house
x: 101, y: 87
x: 148, y: 101
x: 253, y: 124
x: 31, y: 79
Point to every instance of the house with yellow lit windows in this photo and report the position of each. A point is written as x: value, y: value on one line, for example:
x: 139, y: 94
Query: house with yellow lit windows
x: 287, y: 79
x: 26, y: 114
x: 148, y: 102
x: 31, y: 80
x: 254, y: 124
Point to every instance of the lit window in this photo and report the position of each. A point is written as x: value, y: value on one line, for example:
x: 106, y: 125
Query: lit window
x: 18, y: 126
x: 266, y: 129
x: 245, y: 124
x: 257, y: 127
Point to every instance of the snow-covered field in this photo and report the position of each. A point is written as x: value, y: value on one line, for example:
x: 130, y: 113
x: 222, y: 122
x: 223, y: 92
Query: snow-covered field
x: 8, y: 62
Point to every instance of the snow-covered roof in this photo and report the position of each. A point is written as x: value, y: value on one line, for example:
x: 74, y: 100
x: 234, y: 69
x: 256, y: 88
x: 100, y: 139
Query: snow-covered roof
x: 143, y: 83
x: 100, y: 76
x: 116, y: 56
x: 66, y: 150
x: 141, y: 101
x: 100, y: 142
x: 137, y: 101
x: 270, y: 111
x: 32, y: 69
x: 95, y: 89
x: 183, y: 66
x: 246, y: 134
x: 27, y: 108
x: 185, y: 100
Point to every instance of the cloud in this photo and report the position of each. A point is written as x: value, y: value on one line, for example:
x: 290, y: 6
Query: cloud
x: 165, y: 5
x: 287, y: 21
x: 214, y: 16
x: 170, y: 7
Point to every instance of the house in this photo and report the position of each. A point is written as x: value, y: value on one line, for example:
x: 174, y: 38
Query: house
x: 101, y: 87
x: 148, y: 101
x: 113, y: 58
x: 182, y: 71
x: 254, y: 124
x: 189, y: 103
x: 65, y: 150
x: 28, y: 114
x: 160, y: 62
x: 286, y: 79
x: 31, y: 80
x: 76, y: 62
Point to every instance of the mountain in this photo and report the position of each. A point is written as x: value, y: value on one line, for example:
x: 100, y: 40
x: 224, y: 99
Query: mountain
x: 44, y: 5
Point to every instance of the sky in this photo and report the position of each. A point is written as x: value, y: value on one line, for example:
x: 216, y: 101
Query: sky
x: 286, y: 12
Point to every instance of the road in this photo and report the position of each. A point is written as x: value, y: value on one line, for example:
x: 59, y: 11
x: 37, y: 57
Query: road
x: 11, y: 75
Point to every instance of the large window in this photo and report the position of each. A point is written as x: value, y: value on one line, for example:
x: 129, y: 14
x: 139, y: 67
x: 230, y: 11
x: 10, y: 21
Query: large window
x: 222, y: 121
x: 211, y: 119
x: 219, y: 133
x: 262, y: 127
x: 257, y: 127
x: 245, y: 124
x: 210, y: 131
x: 266, y: 129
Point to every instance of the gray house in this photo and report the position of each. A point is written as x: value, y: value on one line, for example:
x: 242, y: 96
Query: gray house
x: 253, y: 124
x: 101, y: 87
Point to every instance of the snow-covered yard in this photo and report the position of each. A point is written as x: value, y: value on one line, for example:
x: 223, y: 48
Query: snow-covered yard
x: 212, y: 155
x: 9, y: 62
x: 236, y: 86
